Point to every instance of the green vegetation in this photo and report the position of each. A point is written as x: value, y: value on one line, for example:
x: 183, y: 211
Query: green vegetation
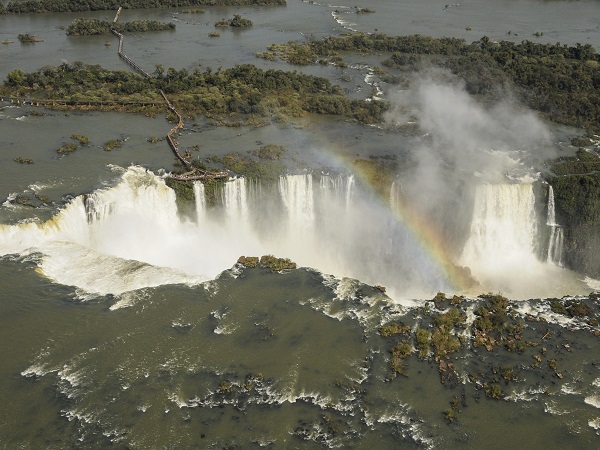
x: 443, y: 342
x: 83, y: 140
x: 576, y: 184
x: 442, y: 336
x: 400, y: 60
x: 248, y: 261
x: 451, y: 414
x: 559, y: 81
x: 85, y: 27
x: 112, y: 144
x: 399, y: 352
x: 494, y: 326
x: 22, y: 160
x: 452, y: 318
x: 243, y: 89
x: 423, y: 342
x: 292, y: 52
x: 267, y: 171
x: 29, y: 38
x: 508, y: 373
x: 24, y: 200
x: 570, y: 307
x: 184, y: 196
x: 394, y: 328
x: 33, y: 202
x: 66, y: 149
x: 270, y: 151
x: 225, y: 387
x: 28, y: 6
x: 237, y: 22
x: 494, y: 391
x: 276, y: 264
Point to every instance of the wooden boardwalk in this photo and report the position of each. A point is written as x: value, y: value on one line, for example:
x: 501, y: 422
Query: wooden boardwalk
x: 192, y: 173
x: 122, y: 55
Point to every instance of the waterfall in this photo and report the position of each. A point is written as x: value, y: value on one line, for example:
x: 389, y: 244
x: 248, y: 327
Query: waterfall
x: 200, y: 199
x: 504, y: 224
x: 235, y: 201
x: 500, y: 248
x: 340, y: 187
x: 555, y: 243
x: 297, y: 195
x: 113, y: 240
x: 551, y: 218
x: 130, y: 236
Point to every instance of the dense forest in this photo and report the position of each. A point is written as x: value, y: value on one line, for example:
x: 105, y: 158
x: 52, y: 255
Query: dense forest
x: 561, y: 82
x: 41, y: 6
x: 84, y: 27
x: 243, y: 89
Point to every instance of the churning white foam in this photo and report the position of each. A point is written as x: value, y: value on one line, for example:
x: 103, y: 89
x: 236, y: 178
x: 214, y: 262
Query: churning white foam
x: 131, y: 235
x: 115, y: 240
x: 593, y: 400
x: 501, y: 248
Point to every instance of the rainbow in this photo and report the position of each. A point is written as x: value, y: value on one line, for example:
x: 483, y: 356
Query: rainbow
x: 425, y: 234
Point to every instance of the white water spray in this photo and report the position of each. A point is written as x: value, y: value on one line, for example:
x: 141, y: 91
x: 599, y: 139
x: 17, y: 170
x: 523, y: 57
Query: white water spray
x: 555, y: 243
x: 130, y: 236
x: 297, y: 195
x: 115, y: 240
x: 501, y: 251
x: 200, y: 198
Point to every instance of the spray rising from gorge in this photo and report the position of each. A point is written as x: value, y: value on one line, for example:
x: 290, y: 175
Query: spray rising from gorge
x: 130, y: 236
x: 467, y: 201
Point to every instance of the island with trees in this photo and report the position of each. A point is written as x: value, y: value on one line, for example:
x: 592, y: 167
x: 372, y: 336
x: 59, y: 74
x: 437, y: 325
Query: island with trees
x: 561, y: 82
x: 244, y: 89
x: 86, y: 27
x: 43, y: 6
x: 237, y: 21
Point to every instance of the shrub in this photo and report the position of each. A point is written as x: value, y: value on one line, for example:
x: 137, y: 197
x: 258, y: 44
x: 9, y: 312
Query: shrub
x: 248, y: 261
x: 391, y: 329
x: 276, y: 264
x: 67, y: 148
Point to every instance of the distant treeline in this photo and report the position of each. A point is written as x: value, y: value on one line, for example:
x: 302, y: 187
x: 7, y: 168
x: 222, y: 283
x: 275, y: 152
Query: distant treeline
x: 243, y: 89
x: 560, y: 81
x: 84, y: 27
x: 41, y: 6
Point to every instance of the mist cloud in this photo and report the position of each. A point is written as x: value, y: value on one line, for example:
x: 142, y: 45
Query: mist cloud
x: 465, y: 138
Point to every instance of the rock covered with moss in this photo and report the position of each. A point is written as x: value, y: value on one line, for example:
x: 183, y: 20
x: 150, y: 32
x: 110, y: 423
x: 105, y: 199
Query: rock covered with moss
x: 487, y: 347
x: 267, y: 262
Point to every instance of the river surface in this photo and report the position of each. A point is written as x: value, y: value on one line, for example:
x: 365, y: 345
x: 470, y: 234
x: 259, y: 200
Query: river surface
x: 125, y: 324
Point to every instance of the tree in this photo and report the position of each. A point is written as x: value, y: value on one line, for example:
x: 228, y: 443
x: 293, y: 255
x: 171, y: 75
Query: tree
x: 15, y: 78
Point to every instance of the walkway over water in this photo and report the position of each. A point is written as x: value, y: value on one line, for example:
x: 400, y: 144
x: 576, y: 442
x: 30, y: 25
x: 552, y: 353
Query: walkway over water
x: 193, y: 173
